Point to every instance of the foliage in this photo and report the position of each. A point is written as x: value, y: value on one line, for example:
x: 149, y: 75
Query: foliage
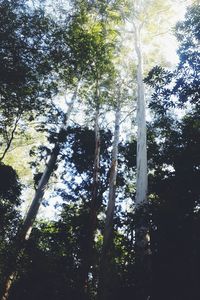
x: 174, y: 147
x: 10, y: 218
x: 37, y: 57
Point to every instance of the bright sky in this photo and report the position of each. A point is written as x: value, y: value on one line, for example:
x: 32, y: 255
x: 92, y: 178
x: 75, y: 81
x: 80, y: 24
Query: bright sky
x: 170, y: 43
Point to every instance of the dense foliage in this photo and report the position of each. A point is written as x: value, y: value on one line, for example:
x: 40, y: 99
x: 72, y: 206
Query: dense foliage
x: 41, y: 59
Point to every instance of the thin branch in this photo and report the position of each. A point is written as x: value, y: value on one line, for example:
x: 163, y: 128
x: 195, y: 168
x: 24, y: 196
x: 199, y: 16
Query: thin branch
x: 22, y: 145
x: 127, y: 116
x: 11, y: 138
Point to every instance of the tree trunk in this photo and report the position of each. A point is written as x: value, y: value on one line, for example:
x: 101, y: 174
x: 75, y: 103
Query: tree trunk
x: 142, y: 238
x: 94, y: 206
x: 25, y: 230
x: 105, y: 266
x: 141, y: 180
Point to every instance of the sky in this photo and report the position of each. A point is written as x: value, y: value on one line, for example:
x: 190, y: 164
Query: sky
x: 170, y: 43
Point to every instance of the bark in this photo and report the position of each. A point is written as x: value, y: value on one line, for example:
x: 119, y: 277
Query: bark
x: 141, y: 180
x: 94, y: 204
x: 104, y: 276
x: 26, y: 228
x: 142, y: 239
x: 35, y: 205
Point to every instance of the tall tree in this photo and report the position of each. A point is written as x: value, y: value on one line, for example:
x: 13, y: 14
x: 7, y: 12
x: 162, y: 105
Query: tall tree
x: 25, y: 230
x: 94, y: 205
x: 103, y: 72
x: 141, y: 18
x: 104, y: 278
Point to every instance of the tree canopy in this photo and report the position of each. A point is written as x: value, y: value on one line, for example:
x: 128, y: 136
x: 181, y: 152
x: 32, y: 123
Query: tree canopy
x: 72, y: 90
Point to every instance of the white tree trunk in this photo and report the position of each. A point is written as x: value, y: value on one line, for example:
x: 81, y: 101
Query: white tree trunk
x: 142, y: 238
x: 141, y: 164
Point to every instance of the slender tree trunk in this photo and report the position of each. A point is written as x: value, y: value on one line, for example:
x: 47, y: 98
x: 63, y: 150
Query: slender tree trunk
x: 141, y: 181
x: 142, y: 238
x: 104, y: 276
x: 94, y: 204
x: 26, y: 228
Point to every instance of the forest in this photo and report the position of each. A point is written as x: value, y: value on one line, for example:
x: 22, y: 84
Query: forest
x: 100, y: 150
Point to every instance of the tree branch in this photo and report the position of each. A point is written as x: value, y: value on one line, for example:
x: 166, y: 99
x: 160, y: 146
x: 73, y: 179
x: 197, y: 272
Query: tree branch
x: 11, y: 138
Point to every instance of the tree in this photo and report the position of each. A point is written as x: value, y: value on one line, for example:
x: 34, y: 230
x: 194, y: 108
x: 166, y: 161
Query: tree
x: 26, y: 228
x: 92, y: 45
x: 102, y: 68
x: 141, y: 17
x: 174, y: 185
x: 90, y: 207
x: 104, y: 274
